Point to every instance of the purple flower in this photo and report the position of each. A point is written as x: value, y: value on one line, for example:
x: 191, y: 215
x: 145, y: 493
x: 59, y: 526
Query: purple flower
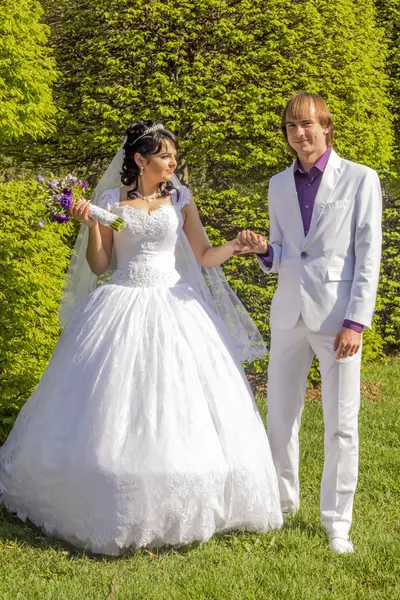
x: 66, y: 201
x: 61, y: 194
x: 59, y: 218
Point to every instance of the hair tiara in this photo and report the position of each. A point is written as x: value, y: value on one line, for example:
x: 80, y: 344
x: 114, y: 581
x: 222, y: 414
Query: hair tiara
x: 156, y: 127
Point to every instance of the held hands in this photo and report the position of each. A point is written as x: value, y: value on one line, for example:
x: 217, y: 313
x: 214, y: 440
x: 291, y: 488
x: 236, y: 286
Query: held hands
x: 247, y: 241
x: 80, y: 212
x: 347, y: 343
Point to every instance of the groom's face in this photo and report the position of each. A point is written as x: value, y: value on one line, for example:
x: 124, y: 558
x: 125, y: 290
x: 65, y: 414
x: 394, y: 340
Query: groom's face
x: 305, y: 134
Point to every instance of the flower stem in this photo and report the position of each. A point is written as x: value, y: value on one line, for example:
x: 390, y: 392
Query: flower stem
x: 118, y: 224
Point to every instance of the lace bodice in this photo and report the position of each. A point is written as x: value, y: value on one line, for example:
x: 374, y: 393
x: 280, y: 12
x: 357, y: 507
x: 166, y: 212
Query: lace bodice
x: 145, y: 248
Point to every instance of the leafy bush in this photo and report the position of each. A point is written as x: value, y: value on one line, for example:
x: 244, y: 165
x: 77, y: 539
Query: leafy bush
x: 216, y: 72
x: 388, y: 303
x: 27, y: 72
x: 32, y: 265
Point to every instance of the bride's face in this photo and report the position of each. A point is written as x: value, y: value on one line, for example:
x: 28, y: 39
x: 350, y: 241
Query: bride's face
x: 161, y: 166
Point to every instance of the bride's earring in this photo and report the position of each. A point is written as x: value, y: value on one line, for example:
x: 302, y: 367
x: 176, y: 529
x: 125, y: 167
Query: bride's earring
x: 141, y: 171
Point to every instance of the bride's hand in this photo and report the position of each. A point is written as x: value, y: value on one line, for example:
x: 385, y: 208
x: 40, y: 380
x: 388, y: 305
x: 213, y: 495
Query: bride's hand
x: 80, y: 212
x: 248, y: 241
x: 238, y: 248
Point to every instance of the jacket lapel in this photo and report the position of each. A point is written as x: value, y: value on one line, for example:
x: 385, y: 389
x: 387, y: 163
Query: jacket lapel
x: 292, y: 201
x: 326, y: 187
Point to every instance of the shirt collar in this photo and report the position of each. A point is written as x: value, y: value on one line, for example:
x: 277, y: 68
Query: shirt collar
x: 319, y: 164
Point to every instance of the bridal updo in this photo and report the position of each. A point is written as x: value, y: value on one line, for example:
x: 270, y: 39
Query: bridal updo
x: 145, y: 144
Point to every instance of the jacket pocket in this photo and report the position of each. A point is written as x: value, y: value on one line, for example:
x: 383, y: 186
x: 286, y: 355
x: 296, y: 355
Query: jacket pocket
x: 338, y: 204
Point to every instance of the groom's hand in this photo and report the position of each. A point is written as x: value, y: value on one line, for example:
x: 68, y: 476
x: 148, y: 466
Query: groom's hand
x: 248, y: 241
x: 347, y: 343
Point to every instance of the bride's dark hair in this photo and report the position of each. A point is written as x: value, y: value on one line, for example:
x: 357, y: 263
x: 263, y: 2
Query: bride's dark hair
x: 148, y: 144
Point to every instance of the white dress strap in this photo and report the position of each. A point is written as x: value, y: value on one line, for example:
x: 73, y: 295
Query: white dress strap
x: 182, y: 196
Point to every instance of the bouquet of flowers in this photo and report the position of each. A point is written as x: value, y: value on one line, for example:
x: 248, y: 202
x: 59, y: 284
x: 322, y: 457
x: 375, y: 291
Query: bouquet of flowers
x: 62, y: 194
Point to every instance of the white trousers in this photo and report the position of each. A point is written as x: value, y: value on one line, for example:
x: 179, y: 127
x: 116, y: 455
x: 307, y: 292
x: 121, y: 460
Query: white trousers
x: 291, y: 355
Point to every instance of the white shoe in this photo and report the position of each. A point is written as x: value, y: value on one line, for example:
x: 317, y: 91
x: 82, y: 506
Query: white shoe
x: 340, y: 545
x: 289, y: 510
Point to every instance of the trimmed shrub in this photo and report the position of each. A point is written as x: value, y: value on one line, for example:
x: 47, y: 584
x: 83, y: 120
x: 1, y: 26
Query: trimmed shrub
x: 33, y: 260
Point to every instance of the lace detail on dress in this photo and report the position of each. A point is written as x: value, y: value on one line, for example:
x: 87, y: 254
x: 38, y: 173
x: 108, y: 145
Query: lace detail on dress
x: 182, y: 197
x: 145, y: 248
x: 147, y: 273
x: 110, y: 198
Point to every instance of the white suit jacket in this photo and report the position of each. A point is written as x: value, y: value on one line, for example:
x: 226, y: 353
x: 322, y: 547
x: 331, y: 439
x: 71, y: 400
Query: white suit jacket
x: 331, y: 274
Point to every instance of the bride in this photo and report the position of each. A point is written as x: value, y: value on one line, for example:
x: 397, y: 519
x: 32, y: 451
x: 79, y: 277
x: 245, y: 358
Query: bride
x: 143, y: 431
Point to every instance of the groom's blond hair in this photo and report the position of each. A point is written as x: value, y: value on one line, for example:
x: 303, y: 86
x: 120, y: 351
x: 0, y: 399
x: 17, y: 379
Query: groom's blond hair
x: 299, y: 105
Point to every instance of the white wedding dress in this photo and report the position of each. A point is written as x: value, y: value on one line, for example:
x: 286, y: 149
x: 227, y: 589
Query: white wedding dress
x: 143, y: 431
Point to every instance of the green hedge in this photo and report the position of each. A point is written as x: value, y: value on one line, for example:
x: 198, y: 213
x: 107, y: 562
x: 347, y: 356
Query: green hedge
x: 33, y: 260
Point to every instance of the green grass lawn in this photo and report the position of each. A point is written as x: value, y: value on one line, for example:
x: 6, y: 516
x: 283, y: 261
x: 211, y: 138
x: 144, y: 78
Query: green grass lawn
x: 294, y: 563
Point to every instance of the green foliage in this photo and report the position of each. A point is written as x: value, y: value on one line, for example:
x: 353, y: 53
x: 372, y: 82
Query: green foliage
x: 27, y: 72
x: 388, y: 15
x: 224, y: 214
x: 388, y: 303
x: 32, y: 265
x: 218, y: 73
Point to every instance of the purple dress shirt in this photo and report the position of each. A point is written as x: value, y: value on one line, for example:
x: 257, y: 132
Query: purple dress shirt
x: 307, y: 184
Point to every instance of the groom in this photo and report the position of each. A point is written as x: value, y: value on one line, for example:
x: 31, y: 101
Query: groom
x: 325, y: 242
